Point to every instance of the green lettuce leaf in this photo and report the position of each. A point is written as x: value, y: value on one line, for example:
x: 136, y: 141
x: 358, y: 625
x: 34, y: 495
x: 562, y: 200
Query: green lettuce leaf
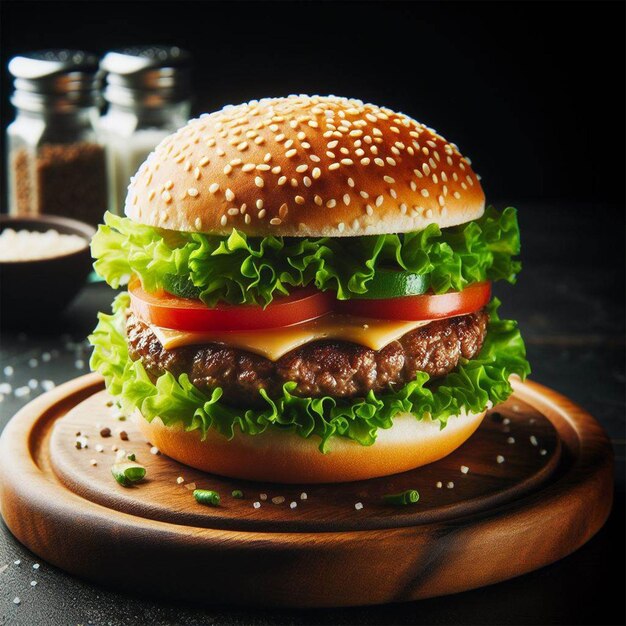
x: 252, y: 270
x: 471, y: 387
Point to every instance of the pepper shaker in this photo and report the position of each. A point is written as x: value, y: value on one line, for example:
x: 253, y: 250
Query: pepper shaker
x: 56, y: 163
x: 148, y: 94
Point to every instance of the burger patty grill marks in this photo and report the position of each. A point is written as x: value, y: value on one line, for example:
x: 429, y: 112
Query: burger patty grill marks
x: 334, y: 368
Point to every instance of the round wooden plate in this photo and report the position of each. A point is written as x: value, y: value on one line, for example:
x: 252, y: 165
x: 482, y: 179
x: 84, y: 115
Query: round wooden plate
x: 531, y: 486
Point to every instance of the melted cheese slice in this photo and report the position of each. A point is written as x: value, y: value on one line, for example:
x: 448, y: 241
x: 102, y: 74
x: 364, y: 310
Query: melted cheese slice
x: 273, y: 343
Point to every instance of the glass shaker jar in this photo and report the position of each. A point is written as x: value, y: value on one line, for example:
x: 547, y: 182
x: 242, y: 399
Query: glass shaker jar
x: 147, y: 91
x: 56, y: 164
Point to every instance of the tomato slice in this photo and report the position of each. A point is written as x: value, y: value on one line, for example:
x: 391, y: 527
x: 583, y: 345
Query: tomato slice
x: 424, y: 307
x: 170, y: 311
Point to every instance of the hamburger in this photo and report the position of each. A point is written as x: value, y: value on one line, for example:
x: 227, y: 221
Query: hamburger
x: 308, y: 294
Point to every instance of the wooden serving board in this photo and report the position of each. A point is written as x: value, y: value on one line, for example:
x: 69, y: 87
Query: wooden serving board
x: 531, y: 486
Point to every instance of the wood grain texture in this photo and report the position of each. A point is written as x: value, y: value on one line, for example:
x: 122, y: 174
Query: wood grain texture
x: 500, y: 519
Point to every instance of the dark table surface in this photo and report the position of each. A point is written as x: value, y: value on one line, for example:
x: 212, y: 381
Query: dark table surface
x: 570, y: 304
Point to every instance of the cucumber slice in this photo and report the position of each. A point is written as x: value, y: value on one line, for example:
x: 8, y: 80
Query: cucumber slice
x: 180, y: 286
x: 388, y: 283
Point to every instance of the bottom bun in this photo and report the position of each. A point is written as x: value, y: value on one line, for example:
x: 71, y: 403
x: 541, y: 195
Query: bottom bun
x: 283, y: 457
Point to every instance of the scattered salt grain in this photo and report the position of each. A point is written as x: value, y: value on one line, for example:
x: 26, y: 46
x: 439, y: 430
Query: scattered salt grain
x: 506, y: 421
x: 17, y: 562
x: 511, y: 440
x: 190, y: 486
x: 33, y: 384
x: 263, y: 496
x: 180, y: 480
x: 293, y: 505
x: 47, y: 385
x: 358, y: 506
x: 33, y: 583
x: 93, y: 462
x: 154, y: 450
x: 120, y: 455
x: 5, y: 388
x: 500, y: 458
x: 439, y: 484
x: 16, y: 600
x: 278, y: 500
x: 533, y: 440
x: 20, y: 392
x: 45, y: 357
x: 464, y: 469
x: 8, y: 370
x: 517, y: 408
x: 303, y: 496
x: 450, y: 485
x: 79, y: 364
x: 33, y: 362
x: 543, y: 452
x: 36, y: 566
x: 256, y: 505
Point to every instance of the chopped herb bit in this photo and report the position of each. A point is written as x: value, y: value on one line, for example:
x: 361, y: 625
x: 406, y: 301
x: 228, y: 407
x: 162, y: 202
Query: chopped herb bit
x: 237, y: 493
x: 410, y: 496
x: 131, y: 457
x: 205, y: 496
x: 128, y: 473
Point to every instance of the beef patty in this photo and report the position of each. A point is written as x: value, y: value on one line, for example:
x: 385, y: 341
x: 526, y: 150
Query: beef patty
x: 327, y: 367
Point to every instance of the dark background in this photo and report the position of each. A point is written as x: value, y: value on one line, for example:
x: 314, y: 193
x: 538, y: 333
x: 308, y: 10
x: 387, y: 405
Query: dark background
x: 534, y: 94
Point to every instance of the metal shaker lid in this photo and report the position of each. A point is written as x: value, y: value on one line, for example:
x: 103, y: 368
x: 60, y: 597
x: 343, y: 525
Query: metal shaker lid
x: 54, y: 79
x: 147, y: 75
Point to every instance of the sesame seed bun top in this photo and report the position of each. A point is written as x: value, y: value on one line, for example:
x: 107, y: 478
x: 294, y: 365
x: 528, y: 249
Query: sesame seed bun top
x: 304, y: 166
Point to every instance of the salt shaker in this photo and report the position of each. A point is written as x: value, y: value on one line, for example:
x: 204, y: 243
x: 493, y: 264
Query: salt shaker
x: 56, y: 164
x: 148, y: 94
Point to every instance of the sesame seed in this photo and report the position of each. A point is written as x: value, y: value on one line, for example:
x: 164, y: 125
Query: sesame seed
x: 275, y: 221
x: 369, y: 210
x: 457, y: 195
x: 299, y: 200
x: 341, y: 227
x: 358, y: 506
x: 248, y: 167
x: 259, y: 204
x: 389, y: 179
x: 439, y: 484
x: 230, y: 196
x: 233, y: 211
x: 282, y: 180
x: 346, y: 199
x: 258, y: 181
x: 450, y: 485
x: 424, y: 193
x: 261, y: 214
x: 334, y: 166
x: 379, y: 162
x: 214, y: 187
x: 293, y: 505
x: 533, y: 440
x: 168, y: 185
x: 223, y: 220
x: 464, y: 469
x: 228, y: 168
x: 167, y: 196
x: 290, y: 153
x: 316, y: 173
x: 192, y: 191
x: 318, y: 200
x: 510, y: 440
x: 543, y: 452
x: 500, y: 458
x: 347, y: 162
x: 379, y: 200
x: 303, y: 496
